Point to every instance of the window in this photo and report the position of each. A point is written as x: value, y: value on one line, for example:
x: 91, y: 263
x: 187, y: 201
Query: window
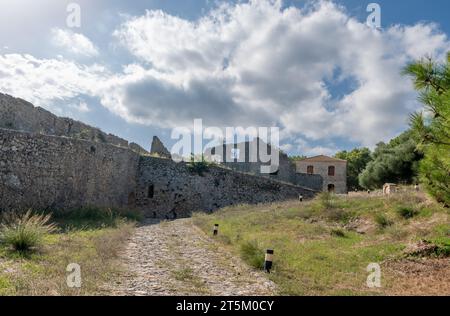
x: 310, y: 170
x: 213, y: 151
x: 151, y: 191
x: 331, y: 171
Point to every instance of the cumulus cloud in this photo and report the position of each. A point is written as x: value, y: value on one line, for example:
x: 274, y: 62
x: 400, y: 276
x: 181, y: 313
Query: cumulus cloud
x: 42, y: 81
x: 260, y: 63
x: 257, y: 63
x: 75, y: 43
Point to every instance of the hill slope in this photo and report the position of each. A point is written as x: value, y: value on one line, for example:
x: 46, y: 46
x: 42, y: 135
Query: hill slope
x: 324, y: 247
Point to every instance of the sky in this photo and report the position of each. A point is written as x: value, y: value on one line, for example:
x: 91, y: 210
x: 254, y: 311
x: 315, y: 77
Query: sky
x: 140, y: 68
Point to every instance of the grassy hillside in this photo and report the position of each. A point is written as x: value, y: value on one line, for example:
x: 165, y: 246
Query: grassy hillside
x: 323, y: 247
x: 89, y: 237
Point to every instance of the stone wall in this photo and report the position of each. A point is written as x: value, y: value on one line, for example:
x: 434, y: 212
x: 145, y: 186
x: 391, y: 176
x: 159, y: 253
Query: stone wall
x: 59, y: 173
x: 166, y: 189
x: 48, y: 172
x: 18, y: 114
x: 312, y: 181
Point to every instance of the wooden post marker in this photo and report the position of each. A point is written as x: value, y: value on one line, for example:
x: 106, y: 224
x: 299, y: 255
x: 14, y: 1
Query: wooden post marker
x: 268, y: 260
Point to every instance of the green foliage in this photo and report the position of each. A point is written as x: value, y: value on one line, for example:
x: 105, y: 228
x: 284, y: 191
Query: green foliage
x: 326, y: 200
x: 357, y: 160
x: 252, y: 254
x: 297, y: 158
x: 432, y: 126
x: 95, y: 217
x: 24, y: 232
x: 338, y: 233
x: 382, y: 220
x: 198, y: 166
x: 395, y: 162
x: 407, y: 212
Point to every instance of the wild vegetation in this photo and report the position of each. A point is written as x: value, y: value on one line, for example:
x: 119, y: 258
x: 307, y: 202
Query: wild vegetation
x: 324, y: 246
x: 35, y: 250
x: 395, y: 162
x: 431, y: 127
x: 357, y: 160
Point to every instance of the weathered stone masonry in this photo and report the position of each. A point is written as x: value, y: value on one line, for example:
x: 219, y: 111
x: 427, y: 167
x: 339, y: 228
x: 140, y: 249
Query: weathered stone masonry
x: 52, y: 172
x: 168, y: 190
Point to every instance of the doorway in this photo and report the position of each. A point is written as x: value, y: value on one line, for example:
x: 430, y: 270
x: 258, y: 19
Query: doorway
x: 331, y: 188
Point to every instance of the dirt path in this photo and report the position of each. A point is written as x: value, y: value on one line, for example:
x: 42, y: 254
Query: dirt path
x: 176, y: 258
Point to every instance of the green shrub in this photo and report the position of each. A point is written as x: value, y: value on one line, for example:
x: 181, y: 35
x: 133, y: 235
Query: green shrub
x: 326, y: 200
x: 95, y: 217
x: 382, y: 220
x: 338, y: 232
x: 24, y: 232
x: 198, y: 167
x: 252, y: 254
x: 407, y: 212
x: 442, y: 244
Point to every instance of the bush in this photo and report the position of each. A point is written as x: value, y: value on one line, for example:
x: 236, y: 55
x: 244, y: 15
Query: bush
x: 326, y: 200
x: 252, y: 254
x: 198, y: 167
x: 382, y: 220
x: 24, y: 232
x: 95, y: 217
x: 338, y: 232
x: 406, y: 212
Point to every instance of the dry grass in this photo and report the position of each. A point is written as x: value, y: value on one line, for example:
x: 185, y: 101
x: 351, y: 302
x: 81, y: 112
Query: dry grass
x: 43, y: 271
x: 323, y: 247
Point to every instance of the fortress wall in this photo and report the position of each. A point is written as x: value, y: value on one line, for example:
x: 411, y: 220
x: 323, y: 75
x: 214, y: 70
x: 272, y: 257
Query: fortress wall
x: 49, y: 172
x: 18, y: 114
x: 59, y: 173
x: 166, y: 189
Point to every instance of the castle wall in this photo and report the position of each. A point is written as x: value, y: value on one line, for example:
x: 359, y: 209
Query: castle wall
x: 312, y: 181
x: 58, y: 173
x: 166, y: 189
x: 48, y: 172
x: 18, y: 114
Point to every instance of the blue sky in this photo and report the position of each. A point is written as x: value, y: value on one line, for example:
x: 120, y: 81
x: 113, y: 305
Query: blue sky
x: 313, y: 68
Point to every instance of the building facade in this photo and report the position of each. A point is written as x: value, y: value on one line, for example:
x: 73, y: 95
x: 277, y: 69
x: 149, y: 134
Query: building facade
x: 332, y: 170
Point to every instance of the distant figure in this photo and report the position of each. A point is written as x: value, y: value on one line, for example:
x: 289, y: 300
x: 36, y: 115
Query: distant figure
x: 368, y: 191
x: 300, y: 197
x: 416, y: 187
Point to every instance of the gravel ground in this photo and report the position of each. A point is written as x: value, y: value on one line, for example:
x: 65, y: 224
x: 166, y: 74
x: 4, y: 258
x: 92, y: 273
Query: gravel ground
x: 177, y: 258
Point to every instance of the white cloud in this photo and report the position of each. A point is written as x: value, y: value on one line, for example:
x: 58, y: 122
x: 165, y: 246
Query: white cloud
x: 42, y: 81
x: 81, y: 107
x: 245, y: 64
x: 271, y: 65
x: 75, y: 43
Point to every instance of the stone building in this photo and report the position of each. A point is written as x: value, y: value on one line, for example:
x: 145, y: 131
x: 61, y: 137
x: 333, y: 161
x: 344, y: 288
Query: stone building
x: 244, y: 157
x: 332, y: 170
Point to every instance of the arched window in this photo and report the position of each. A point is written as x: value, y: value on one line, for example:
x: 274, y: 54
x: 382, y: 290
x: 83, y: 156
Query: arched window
x: 331, y: 171
x: 310, y: 170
